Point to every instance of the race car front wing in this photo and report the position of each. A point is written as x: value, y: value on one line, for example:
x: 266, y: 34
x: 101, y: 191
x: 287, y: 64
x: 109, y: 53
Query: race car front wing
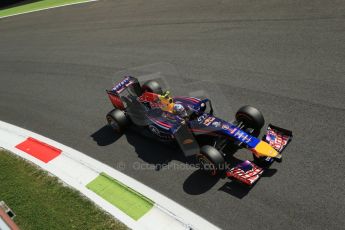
x: 247, y: 172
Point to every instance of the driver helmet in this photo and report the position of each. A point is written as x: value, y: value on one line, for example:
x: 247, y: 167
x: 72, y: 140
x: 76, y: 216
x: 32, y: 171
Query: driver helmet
x: 180, y: 110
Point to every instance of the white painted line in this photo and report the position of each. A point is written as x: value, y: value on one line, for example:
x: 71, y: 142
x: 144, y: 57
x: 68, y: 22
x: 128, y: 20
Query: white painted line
x: 48, y: 8
x: 3, y: 225
x: 67, y: 165
x: 77, y: 169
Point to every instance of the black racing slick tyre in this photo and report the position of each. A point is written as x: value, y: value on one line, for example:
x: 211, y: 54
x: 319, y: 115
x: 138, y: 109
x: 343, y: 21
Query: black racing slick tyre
x: 117, y: 120
x: 152, y: 87
x: 211, y: 160
x: 251, y: 117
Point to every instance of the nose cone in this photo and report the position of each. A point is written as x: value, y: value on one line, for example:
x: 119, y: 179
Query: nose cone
x: 263, y: 149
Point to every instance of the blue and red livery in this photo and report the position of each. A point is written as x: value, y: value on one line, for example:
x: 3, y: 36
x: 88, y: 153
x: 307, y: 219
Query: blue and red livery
x: 152, y: 110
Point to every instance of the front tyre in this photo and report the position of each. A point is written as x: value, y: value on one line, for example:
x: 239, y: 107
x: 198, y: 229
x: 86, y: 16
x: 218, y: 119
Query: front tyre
x: 251, y: 117
x: 117, y: 120
x: 211, y: 160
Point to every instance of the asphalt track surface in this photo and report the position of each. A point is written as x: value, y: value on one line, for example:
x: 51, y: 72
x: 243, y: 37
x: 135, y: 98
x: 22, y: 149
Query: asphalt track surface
x: 285, y: 57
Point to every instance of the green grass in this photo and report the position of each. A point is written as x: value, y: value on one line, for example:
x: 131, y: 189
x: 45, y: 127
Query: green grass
x: 40, y: 201
x: 42, y: 4
x: 129, y: 201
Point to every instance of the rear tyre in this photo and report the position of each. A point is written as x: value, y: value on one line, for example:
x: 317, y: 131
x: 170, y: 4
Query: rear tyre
x: 152, y: 87
x: 251, y: 117
x: 117, y: 120
x: 211, y: 160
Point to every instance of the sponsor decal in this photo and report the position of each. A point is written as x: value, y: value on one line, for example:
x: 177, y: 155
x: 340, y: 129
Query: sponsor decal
x: 246, y: 172
x: 225, y: 127
x: 154, y: 130
x: 275, y: 140
x: 160, y: 134
x: 216, y: 124
x: 242, y: 136
x: 120, y: 86
x: 153, y: 104
x: 202, y: 118
x: 209, y: 120
x: 187, y: 141
x: 232, y: 130
x: 238, y: 133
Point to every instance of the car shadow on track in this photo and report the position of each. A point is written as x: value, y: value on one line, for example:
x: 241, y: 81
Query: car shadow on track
x: 149, y: 150
x: 240, y: 190
x: 235, y: 188
x: 160, y: 154
x: 200, y: 182
x: 105, y: 136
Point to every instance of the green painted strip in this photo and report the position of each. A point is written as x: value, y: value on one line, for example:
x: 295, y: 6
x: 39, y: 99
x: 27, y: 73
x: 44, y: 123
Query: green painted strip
x: 124, y: 198
x: 39, y: 5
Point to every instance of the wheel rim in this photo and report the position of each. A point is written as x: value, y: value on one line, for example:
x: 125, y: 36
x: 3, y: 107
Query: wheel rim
x: 244, y: 118
x: 113, y: 123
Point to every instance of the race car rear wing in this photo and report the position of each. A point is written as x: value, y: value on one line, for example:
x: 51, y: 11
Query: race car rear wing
x: 127, y: 82
x: 128, y: 86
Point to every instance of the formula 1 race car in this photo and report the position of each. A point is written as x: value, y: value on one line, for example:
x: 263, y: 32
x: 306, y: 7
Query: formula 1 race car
x: 186, y: 120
